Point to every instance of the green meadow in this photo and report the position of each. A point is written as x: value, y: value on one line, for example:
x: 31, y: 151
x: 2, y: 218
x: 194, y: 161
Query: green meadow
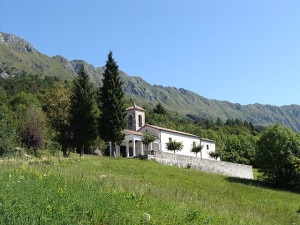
x: 102, y: 190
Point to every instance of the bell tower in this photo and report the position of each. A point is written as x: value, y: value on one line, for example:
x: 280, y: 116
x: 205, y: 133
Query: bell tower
x: 135, y: 118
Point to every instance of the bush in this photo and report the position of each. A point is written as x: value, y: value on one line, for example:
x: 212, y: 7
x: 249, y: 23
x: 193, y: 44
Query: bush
x: 278, y: 156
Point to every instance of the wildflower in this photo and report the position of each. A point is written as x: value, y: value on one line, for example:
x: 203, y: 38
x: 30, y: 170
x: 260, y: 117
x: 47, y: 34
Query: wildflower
x: 133, y: 195
x: 146, y: 218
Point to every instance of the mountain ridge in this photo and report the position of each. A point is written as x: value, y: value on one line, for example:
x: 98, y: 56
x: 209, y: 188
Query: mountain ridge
x: 19, y: 57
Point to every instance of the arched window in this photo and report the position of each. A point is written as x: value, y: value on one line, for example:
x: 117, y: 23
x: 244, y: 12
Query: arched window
x: 140, y: 121
x: 130, y: 122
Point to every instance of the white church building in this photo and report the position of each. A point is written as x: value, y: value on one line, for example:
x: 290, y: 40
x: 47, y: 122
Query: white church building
x: 136, y: 127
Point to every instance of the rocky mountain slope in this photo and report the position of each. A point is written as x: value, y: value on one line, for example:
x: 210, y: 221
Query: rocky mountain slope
x: 19, y: 57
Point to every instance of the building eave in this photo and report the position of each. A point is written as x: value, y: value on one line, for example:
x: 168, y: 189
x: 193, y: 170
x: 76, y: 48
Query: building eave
x: 132, y: 132
x: 170, y: 130
x: 135, y: 107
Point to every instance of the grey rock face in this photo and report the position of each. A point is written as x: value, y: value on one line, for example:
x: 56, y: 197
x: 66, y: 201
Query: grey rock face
x: 15, y: 42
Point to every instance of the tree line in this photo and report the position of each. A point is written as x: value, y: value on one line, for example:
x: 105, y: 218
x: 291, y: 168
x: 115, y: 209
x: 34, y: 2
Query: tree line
x: 38, y: 113
x: 47, y: 113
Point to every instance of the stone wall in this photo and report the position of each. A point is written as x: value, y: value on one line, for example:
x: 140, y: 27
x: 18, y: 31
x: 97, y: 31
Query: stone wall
x: 212, y: 166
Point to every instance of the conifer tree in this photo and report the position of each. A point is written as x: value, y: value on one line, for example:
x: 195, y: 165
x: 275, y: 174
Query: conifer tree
x: 159, y: 109
x: 111, y: 104
x: 83, y: 112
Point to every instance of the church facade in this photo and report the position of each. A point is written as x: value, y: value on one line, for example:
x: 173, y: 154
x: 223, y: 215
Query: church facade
x: 136, y: 127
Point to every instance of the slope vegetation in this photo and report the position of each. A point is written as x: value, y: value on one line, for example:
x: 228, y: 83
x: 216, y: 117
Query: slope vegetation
x: 18, y: 57
x: 104, y: 190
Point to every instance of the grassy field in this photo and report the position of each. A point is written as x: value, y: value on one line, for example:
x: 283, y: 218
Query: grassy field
x: 101, y: 190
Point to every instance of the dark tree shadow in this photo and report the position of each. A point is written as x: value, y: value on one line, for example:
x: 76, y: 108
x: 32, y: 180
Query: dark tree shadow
x: 262, y: 184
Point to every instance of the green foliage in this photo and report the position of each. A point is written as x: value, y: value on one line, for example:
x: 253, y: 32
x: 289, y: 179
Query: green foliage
x: 7, y: 132
x: 159, y: 109
x: 278, y: 156
x: 197, y: 149
x: 161, y: 120
x: 28, y: 84
x: 239, y: 148
x: 174, y: 146
x: 57, y: 106
x: 111, y: 104
x: 34, y: 131
x: 83, y: 113
x: 215, y: 155
x: 19, y: 61
x: 148, y: 138
x: 235, y: 139
x: 18, y: 94
x: 22, y: 101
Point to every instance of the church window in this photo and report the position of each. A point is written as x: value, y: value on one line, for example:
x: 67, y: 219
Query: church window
x: 130, y: 122
x: 140, y: 121
x: 207, y: 147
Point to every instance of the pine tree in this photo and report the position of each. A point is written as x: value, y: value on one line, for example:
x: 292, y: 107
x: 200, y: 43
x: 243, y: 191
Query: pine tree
x: 111, y: 104
x: 83, y: 112
x: 159, y: 109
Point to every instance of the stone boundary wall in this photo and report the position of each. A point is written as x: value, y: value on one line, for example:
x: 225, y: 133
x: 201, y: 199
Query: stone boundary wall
x: 212, y: 166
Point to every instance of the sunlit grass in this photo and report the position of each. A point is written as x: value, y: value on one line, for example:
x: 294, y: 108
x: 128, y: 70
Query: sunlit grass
x: 93, y: 190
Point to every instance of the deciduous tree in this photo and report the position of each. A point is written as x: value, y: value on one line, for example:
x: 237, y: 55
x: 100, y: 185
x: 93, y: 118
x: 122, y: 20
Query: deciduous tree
x: 197, y: 149
x: 238, y: 149
x: 57, y: 105
x: 174, y: 146
x: 278, y: 156
x: 34, y: 131
x: 148, y: 138
x: 7, y: 131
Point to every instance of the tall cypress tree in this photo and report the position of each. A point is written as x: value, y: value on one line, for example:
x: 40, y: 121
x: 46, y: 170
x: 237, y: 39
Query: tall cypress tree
x: 111, y: 104
x: 83, y: 112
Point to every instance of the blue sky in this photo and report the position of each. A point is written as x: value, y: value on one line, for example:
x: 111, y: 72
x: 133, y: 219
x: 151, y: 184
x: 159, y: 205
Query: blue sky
x: 241, y: 51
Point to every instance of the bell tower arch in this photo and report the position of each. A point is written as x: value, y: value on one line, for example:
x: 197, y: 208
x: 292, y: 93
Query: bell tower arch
x: 135, y: 118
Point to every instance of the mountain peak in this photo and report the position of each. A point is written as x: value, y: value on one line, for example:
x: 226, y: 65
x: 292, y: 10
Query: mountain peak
x: 178, y: 100
x: 16, y: 43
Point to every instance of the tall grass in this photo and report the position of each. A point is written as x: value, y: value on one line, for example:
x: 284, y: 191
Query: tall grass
x: 130, y: 191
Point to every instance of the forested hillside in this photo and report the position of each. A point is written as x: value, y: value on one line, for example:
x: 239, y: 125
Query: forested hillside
x: 28, y: 98
x: 19, y: 57
x: 43, y: 113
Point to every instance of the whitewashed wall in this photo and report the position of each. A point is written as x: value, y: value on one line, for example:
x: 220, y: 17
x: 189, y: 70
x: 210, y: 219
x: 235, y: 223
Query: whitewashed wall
x: 187, y: 142
x: 208, y: 146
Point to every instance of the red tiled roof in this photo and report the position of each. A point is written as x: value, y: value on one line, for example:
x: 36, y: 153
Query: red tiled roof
x: 135, y: 107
